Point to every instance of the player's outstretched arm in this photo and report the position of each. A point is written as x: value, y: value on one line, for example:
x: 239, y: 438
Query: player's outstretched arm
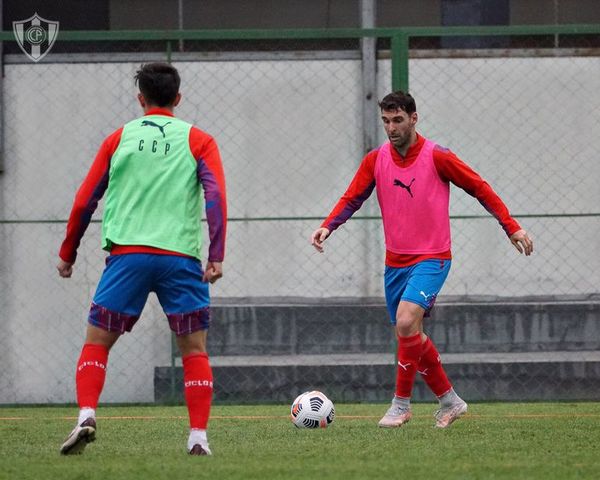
x: 65, y: 269
x: 318, y: 237
x: 522, y: 242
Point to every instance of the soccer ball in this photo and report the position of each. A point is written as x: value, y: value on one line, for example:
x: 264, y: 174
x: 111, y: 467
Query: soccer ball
x: 312, y: 410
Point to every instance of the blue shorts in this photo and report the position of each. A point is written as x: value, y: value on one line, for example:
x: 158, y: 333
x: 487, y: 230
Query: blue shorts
x: 128, y: 279
x: 420, y: 283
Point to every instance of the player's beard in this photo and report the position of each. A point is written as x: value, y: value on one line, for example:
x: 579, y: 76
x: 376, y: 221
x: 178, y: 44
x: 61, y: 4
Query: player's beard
x: 400, y: 142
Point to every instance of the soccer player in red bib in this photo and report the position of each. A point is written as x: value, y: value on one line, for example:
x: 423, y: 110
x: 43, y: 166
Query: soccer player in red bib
x: 155, y: 172
x: 412, y: 177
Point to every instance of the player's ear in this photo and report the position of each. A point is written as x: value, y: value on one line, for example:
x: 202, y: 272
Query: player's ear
x: 177, y: 99
x: 414, y: 117
x: 142, y: 100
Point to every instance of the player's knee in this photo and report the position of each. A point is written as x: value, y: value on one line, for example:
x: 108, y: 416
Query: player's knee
x: 406, y: 325
x: 192, y: 343
x: 100, y: 336
x: 408, y: 320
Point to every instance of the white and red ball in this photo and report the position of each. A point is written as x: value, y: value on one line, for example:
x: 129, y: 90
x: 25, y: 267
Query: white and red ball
x: 312, y: 410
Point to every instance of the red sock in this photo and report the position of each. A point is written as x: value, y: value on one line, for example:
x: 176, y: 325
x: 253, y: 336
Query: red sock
x: 430, y: 368
x: 90, y: 374
x: 197, y: 388
x: 409, y: 352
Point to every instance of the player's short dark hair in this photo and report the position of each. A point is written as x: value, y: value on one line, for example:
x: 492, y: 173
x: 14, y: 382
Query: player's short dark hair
x: 398, y: 100
x: 159, y: 83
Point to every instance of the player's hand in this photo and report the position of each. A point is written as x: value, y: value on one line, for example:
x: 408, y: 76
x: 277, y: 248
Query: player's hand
x: 318, y: 237
x: 522, y: 242
x: 213, y: 271
x: 65, y: 269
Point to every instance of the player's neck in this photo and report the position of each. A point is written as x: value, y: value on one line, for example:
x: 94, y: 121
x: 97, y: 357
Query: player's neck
x: 168, y: 108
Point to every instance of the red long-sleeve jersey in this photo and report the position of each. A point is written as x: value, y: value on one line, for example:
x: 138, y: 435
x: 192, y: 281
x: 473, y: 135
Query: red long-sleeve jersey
x: 210, y: 175
x: 450, y: 168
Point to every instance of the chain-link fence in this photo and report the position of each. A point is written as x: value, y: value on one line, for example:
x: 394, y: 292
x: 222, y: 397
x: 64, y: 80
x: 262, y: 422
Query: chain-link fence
x: 288, y: 112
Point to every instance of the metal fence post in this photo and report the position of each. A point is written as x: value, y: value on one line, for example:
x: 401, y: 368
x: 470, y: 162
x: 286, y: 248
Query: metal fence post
x: 369, y: 76
x: 400, y: 62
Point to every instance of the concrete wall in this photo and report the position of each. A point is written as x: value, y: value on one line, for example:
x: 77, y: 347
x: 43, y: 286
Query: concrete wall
x: 491, y: 351
x: 290, y: 135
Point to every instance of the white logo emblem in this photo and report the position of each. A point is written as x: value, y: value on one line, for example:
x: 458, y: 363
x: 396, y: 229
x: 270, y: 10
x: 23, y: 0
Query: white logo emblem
x: 198, y: 383
x: 424, y: 294
x: 91, y: 363
x: 403, y: 366
x: 35, y: 35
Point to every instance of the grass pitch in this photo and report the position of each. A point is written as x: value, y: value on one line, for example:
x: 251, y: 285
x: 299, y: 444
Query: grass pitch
x: 493, y: 441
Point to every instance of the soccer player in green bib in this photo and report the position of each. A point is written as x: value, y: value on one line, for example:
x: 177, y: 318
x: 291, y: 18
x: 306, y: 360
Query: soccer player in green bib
x: 156, y: 173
